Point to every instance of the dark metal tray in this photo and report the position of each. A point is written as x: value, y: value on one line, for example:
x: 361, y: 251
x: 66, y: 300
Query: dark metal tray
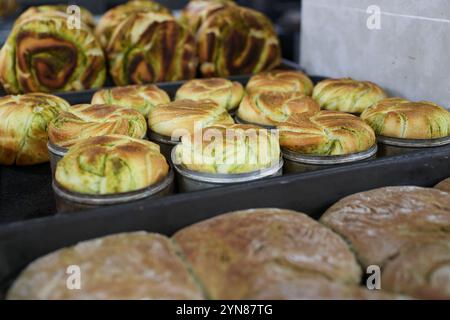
x: 312, y: 193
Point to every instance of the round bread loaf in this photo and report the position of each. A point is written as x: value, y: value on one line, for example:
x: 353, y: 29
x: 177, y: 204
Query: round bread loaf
x: 115, y: 16
x: 326, y: 133
x: 240, y: 245
x: 444, y: 185
x: 228, y: 94
x: 186, y: 116
x: 43, y: 54
x: 230, y: 149
x: 237, y: 40
x: 23, y: 127
x: 141, y: 98
x: 111, y: 164
x: 347, y: 95
x: 136, y: 265
x: 401, y: 118
x: 85, y: 120
x: 310, y: 286
x: 151, y: 47
x: 280, y: 81
x: 7, y: 7
x: 380, y: 223
x: 197, y: 11
x: 422, y: 271
x: 86, y: 16
x: 272, y: 108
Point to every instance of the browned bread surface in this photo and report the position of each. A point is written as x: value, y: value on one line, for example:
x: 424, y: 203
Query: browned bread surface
x: 135, y: 265
x: 231, y: 253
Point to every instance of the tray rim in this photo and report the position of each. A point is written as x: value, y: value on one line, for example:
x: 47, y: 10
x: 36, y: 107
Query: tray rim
x: 21, y: 226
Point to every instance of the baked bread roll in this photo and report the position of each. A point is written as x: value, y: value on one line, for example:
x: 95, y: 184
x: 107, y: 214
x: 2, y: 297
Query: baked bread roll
x: 85, y: 120
x: 401, y: 118
x: 111, y: 164
x: 232, y: 149
x: 327, y: 133
x: 186, y: 116
x: 86, y: 16
x: 285, y: 286
x: 347, y: 95
x: 151, y: 47
x: 280, y: 81
x: 42, y: 54
x: 141, y: 98
x: 245, y: 248
x: 115, y: 16
x: 272, y: 108
x: 237, y: 40
x: 23, y: 127
x: 136, y: 265
x: 197, y: 11
x: 228, y: 94
x: 405, y: 231
x: 444, y: 185
x: 7, y: 7
x: 422, y: 271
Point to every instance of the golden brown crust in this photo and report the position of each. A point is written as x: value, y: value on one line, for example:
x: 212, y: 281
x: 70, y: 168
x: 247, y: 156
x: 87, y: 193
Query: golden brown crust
x: 422, y: 271
x: 228, y: 94
x: 326, y: 133
x: 185, y: 115
x: 239, y: 246
x: 7, y: 7
x: 281, y: 81
x: 151, y: 47
x: 401, y: 118
x: 140, y: 97
x: 229, y: 149
x: 86, y: 16
x: 309, y: 286
x: 272, y: 108
x: 197, y: 11
x: 23, y: 127
x: 347, y: 95
x: 115, y: 16
x: 136, y: 265
x: 85, y: 120
x: 111, y: 164
x: 444, y: 185
x: 380, y: 223
x: 237, y: 40
x: 43, y: 54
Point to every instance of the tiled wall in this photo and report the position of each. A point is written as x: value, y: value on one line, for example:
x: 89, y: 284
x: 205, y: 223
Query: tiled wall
x: 409, y: 55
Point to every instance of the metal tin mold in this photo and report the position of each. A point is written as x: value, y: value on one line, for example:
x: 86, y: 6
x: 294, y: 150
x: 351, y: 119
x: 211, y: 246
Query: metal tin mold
x: 295, y: 163
x: 55, y: 153
x: 188, y: 180
x: 165, y: 143
x: 67, y: 201
x: 388, y: 146
x: 241, y: 121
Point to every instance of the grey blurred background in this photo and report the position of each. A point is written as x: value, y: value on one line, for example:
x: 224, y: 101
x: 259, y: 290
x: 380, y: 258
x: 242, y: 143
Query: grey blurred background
x: 284, y: 13
x: 408, y: 54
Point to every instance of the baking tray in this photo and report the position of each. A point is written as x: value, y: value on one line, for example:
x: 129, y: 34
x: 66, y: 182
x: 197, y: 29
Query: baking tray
x: 26, y: 192
x: 311, y: 193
